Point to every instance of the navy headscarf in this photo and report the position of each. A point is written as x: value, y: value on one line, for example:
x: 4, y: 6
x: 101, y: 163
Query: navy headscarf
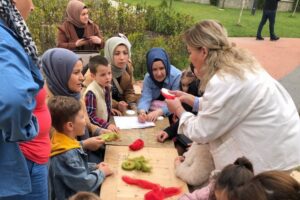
x: 58, y: 64
x: 153, y: 55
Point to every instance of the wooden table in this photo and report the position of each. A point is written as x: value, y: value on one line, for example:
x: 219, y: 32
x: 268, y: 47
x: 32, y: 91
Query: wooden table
x: 162, y: 162
x: 148, y: 135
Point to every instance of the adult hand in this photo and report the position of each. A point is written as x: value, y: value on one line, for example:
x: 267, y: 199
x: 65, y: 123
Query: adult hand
x: 152, y: 116
x: 142, y: 117
x: 95, y: 39
x: 162, y: 136
x: 93, y: 143
x: 175, y: 106
x: 178, y: 160
x: 184, y: 97
x: 116, y: 112
x: 122, y: 106
x: 104, y: 167
x: 81, y: 42
x: 113, y: 128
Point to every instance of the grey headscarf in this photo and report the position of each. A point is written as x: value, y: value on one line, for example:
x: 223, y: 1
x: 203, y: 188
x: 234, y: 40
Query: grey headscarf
x: 109, y: 48
x: 58, y: 64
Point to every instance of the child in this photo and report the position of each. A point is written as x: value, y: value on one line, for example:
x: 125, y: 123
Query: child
x: 223, y: 185
x: 270, y: 185
x: 98, y: 95
x: 69, y: 170
x: 189, y: 84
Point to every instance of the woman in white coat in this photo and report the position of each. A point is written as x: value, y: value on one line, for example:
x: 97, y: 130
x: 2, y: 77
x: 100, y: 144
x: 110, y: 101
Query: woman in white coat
x: 244, y: 111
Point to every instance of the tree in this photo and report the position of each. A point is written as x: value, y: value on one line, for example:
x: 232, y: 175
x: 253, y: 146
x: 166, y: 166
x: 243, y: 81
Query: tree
x: 295, y: 8
x: 241, y: 13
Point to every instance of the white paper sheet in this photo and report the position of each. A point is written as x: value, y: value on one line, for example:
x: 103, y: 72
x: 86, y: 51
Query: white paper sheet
x: 124, y: 122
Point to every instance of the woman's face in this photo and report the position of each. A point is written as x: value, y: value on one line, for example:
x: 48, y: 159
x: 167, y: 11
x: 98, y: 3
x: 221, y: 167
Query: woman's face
x: 121, y: 56
x: 84, y: 16
x: 76, y: 78
x: 159, y: 71
x: 24, y: 7
x: 197, y: 57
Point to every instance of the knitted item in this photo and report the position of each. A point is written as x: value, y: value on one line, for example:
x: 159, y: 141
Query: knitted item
x: 156, y: 192
x: 137, y: 145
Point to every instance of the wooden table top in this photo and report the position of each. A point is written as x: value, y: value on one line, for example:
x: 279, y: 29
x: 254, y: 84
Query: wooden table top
x: 148, y: 135
x: 162, y: 162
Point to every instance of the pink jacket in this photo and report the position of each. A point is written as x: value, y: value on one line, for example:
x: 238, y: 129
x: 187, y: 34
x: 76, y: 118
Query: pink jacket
x: 205, y: 193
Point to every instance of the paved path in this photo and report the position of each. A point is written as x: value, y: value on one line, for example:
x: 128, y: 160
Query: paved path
x: 279, y: 58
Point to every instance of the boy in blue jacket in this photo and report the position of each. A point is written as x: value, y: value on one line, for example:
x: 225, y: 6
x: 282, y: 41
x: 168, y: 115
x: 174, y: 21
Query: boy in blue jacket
x: 69, y: 170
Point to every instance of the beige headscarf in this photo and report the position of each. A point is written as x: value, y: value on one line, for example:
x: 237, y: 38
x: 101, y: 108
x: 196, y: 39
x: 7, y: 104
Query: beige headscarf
x: 74, y: 9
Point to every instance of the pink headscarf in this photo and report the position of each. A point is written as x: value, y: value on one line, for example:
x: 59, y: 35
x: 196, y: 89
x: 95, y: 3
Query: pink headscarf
x: 74, y: 9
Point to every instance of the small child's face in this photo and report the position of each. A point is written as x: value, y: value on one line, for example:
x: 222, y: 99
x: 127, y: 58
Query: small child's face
x: 79, y: 124
x: 103, y: 76
x: 185, y: 83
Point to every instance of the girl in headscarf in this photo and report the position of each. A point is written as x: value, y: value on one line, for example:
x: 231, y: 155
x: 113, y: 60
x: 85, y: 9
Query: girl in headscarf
x: 117, y: 52
x: 161, y: 74
x: 78, y: 32
x: 21, y: 81
x: 62, y: 69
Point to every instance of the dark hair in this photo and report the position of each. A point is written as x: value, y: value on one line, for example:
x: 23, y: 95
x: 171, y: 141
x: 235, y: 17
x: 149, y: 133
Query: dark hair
x: 95, y: 61
x: 234, y: 175
x: 63, y: 109
x: 270, y: 185
x: 84, y: 196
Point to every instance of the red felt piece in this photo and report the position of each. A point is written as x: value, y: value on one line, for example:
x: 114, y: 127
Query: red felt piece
x: 139, y: 182
x: 137, y: 145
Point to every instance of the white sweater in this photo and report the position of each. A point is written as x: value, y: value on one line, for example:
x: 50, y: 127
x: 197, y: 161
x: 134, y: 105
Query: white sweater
x: 255, y: 118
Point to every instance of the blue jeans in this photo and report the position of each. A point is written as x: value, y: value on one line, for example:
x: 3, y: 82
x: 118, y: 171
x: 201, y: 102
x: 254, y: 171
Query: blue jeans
x: 39, y: 183
x: 267, y: 15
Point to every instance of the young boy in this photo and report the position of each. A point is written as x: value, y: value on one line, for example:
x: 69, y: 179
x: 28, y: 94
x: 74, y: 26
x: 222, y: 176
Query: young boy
x: 69, y: 170
x: 97, y: 94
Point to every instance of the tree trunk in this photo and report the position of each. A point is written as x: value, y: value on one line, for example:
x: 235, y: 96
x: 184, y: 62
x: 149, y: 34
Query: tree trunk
x: 241, y: 13
x: 295, y: 8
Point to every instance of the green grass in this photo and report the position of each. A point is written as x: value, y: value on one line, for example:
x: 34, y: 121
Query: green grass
x: 285, y: 26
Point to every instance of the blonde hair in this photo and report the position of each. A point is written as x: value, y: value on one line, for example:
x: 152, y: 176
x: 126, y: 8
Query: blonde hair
x: 223, y: 56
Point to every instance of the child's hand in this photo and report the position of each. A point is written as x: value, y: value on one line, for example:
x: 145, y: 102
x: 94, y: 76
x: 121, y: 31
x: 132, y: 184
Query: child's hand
x: 105, y: 168
x: 93, y: 143
x: 162, y: 136
x: 178, y: 160
x: 115, y: 112
x: 142, y: 117
x: 103, y: 130
x: 113, y: 128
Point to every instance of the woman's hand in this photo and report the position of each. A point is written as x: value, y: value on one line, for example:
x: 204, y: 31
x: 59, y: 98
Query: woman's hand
x: 142, y: 117
x: 122, y: 106
x: 115, y: 112
x: 113, y: 128
x: 175, y: 106
x: 184, y: 97
x: 152, y: 116
x: 95, y: 39
x: 93, y: 143
x: 162, y: 136
x: 81, y: 42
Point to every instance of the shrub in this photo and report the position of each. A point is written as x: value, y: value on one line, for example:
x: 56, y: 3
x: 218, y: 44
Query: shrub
x: 145, y: 26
